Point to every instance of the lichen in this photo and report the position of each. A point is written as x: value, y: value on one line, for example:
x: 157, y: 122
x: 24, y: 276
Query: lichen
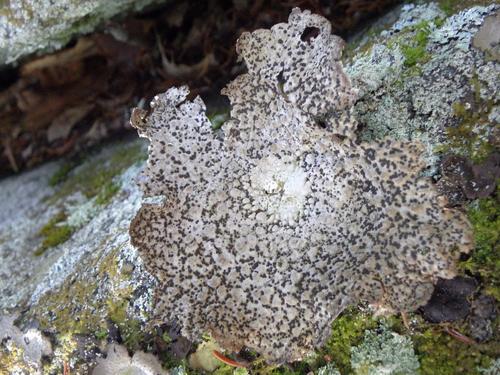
x: 384, y: 352
x: 29, y: 26
x: 264, y: 237
x: 416, y: 102
x: 96, y: 181
x: 347, y: 332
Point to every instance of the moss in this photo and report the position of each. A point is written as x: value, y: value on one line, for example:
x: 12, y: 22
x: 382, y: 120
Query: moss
x: 54, y: 233
x: 95, y: 178
x: 440, y: 354
x: 61, y: 174
x: 484, y: 261
x: 108, y: 191
x: 415, y: 51
x: 101, y: 334
x: 76, y: 307
x: 347, y: 331
x: 450, y: 7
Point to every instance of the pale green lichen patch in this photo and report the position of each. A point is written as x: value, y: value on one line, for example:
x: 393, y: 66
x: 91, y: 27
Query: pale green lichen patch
x: 347, y: 331
x: 384, y: 352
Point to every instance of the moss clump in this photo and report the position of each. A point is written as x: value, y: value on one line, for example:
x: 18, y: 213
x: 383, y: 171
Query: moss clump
x: 415, y: 51
x: 440, y: 354
x: 484, y: 261
x: 95, y: 179
x: 347, y: 331
x: 54, y: 233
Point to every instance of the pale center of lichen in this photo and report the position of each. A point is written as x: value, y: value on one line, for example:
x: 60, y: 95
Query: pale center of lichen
x: 280, y: 188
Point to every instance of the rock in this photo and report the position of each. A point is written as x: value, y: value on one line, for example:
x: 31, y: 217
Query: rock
x: 480, y: 321
x: 91, y: 284
x: 422, y: 78
x: 449, y: 301
x: 32, y: 26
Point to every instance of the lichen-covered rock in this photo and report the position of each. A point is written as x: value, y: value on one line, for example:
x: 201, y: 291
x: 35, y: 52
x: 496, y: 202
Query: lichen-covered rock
x: 28, y: 26
x: 21, y: 351
x: 85, y: 288
x: 264, y: 237
x: 432, y: 78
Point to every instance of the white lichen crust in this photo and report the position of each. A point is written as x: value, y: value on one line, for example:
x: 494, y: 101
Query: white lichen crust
x: 265, y: 237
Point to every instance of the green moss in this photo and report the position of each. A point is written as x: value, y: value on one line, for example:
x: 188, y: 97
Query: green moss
x: 415, y: 51
x: 451, y: 7
x: 347, y: 331
x: 95, y: 179
x: 108, y: 191
x: 101, y: 334
x: 440, y: 354
x: 61, y: 174
x: 484, y: 261
x: 54, y: 233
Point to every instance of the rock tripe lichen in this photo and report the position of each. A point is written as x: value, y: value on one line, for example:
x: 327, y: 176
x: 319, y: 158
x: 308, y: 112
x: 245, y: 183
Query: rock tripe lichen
x: 264, y: 237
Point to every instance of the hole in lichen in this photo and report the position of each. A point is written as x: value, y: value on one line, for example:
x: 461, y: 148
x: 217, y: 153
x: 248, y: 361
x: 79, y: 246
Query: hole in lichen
x: 309, y: 33
x: 281, y: 85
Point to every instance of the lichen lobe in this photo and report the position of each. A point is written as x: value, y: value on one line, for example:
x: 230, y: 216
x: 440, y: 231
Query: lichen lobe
x: 265, y: 237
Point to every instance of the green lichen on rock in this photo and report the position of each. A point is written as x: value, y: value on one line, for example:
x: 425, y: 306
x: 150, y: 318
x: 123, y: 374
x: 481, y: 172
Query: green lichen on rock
x: 484, y: 214
x: 95, y: 178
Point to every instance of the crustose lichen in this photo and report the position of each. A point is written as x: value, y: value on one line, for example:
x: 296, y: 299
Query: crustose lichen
x: 264, y: 237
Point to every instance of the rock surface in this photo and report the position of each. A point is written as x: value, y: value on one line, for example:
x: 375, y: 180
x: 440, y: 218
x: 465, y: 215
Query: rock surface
x: 33, y: 26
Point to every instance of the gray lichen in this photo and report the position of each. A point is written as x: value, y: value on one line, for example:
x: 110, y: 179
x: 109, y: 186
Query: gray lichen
x: 264, y: 237
x: 29, y: 26
x: 384, y: 353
